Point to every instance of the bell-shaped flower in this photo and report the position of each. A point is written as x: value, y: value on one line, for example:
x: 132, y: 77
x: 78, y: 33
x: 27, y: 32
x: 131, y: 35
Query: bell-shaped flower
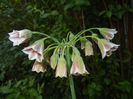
x: 78, y: 66
x: 35, y: 51
x: 88, y: 48
x: 106, y: 47
x: 54, y: 60
x: 38, y: 67
x: 19, y: 37
x: 61, y: 70
x: 107, y: 33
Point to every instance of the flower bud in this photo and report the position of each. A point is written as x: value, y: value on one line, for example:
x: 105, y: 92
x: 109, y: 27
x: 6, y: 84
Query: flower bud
x: 83, y: 43
x: 71, y: 36
x: 54, y: 60
x: 59, y: 50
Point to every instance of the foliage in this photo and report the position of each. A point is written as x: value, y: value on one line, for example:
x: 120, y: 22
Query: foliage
x: 108, y: 78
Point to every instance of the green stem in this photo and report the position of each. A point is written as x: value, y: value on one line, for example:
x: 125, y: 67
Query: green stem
x: 54, y: 39
x: 81, y: 32
x: 70, y: 76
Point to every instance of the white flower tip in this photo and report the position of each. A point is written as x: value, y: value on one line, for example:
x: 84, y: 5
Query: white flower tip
x: 65, y: 76
x: 103, y: 56
x: 15, y: 44
x: 86, y: 73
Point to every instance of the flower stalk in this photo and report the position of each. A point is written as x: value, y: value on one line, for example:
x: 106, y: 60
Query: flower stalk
x: 71, y: 82
x: 54, y: 39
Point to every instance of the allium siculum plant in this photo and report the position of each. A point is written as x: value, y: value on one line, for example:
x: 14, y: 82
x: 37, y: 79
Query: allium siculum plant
x: 65, y: 62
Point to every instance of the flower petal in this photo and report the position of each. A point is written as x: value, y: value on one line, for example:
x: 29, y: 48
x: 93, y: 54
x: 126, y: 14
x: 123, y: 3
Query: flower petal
x: 17, y: 41
x: 61, y: 70
x: 38, y: 67
x: 32, y: 55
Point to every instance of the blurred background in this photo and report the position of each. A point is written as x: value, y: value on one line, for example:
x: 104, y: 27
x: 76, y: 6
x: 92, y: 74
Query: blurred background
x: 111, y: 78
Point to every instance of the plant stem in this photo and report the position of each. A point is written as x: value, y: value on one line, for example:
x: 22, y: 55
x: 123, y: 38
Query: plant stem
x: 54, y: 39
x: 81, y: 32
x: 70, y: 76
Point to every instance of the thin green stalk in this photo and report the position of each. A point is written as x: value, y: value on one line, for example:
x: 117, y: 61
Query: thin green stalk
x: 54, y: 39
x: 81, y: 32
x: 70, y: 76
x: 48, y: 49
x: 94, y: 37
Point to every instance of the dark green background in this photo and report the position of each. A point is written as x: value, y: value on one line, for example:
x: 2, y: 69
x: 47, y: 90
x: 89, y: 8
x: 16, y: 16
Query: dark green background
x: 110, y: 78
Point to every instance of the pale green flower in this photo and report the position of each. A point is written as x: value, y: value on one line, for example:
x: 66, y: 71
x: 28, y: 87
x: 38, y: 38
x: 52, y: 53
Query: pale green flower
x: 54, y: 60
x: 88, y: 48
x: 61, y: 70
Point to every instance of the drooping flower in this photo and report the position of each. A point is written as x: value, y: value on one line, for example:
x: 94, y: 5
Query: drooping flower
x: 47, y: 58
x: 83, y: 41
x: 38, y: 67
x: 78, y: 66
x: 107, y: 33
x: 61, y: 70
x: 54, y: 60
x: 106, y: 47
x: 35, y: 51
x: 59, y: 50
x: 88, y: 48
x: 19, y: 37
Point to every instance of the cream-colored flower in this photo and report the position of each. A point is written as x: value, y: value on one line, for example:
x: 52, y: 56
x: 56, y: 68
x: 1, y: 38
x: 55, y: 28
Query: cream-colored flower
x: 88, y: 48
x: 38, y: 67
x: 19, y: 37
x: 61, y: 70
x: 106, y: 47
x: 107, y: 33
x: 35, y: 51
x: 78, y: 66
x: 54, y: 60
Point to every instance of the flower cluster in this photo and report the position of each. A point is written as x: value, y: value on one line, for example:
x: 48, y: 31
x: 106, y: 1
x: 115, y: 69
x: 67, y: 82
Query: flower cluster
x: 58, y: 61
x: 34, y: 51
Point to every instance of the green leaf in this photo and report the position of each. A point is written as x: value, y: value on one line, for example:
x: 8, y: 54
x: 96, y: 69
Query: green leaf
x: 54, y: 12
x: 67, y: 6
x: 125, y: 86
x: 5, y: 90
x: 102, y: 13
x: 107, y: 81
x: 108, y: 14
